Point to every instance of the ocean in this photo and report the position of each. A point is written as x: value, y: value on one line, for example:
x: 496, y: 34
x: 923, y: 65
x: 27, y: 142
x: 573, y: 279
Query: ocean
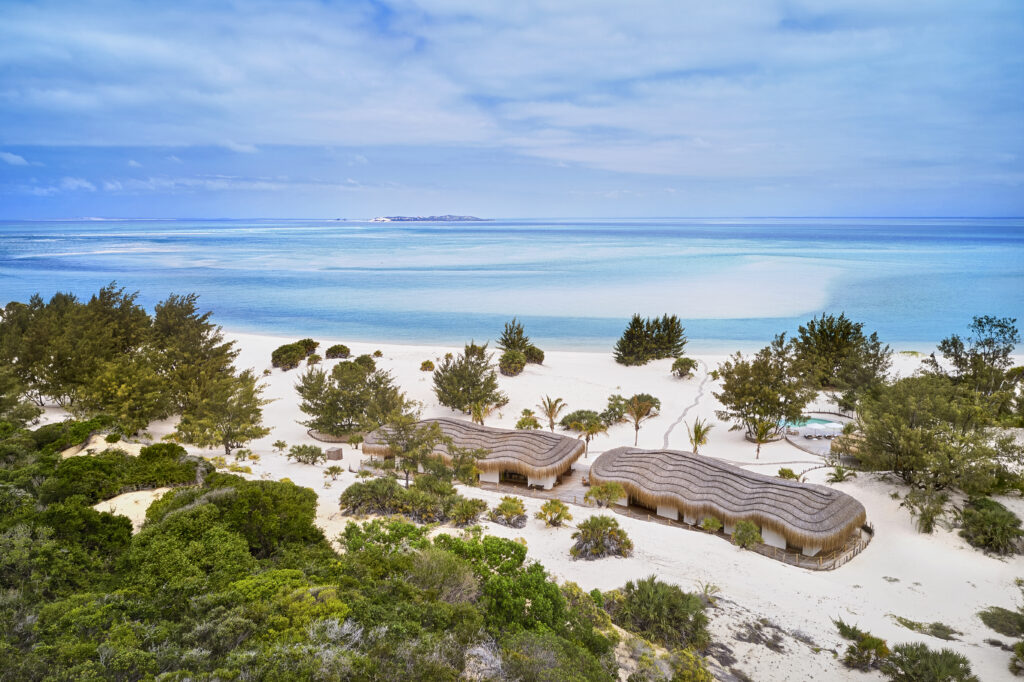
x: 573, y: 283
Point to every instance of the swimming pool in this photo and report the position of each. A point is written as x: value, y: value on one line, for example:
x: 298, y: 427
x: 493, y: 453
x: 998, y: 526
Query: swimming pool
x: 809, y: 421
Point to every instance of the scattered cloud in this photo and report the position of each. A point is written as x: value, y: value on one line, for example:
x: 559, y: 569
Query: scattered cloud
x: 13, y: 159
x: 132, y: 163
x: 240, y: 148
x: 74, y: 184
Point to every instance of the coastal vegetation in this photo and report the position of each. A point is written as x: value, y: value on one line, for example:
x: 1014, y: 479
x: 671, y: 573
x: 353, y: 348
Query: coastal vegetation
x: 662, y: 613
x: 352, y: 396
x: 289, y: 355
x: 698, y: 433
x: 767, y: 388
x: 598, y: 537
x: 683, y: 367
x: 338, y: 351
x: 554, y: 513
x: 527, y: 420
x: 468, y: 383
x: 551, y: 408
x: 646, y: 339
x: 517, y: 349
x: 509, y: 512
x: 911, y: 662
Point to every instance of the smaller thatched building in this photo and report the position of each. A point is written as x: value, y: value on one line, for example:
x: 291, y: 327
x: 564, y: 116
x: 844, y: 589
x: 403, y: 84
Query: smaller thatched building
x: 809, y: 517
x: 536, y: 458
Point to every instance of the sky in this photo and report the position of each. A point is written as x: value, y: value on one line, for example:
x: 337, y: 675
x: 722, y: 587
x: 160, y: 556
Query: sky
x: 297, y: 109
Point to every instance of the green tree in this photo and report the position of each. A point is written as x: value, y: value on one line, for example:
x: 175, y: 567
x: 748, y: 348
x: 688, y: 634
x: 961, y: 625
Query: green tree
x: 551, y: 408
x: 349, y: 398
x: 936, y: 435
x: 464, y: 381
x: 639, y: 409
x: 646, y: 339
x: 227, y: 412
x: 413, y: 444
x: 189, y: 346
x: 587, y: 423
x: 333, y: 471
x: 307, y: 454
x: 764, y: 432
x: 129, y: 390
x: 513, y: 337
x: 683, y: 367
x: 766, y: 387
x: 982, y: 360
x: 698, y: 434
x: 837, y: 355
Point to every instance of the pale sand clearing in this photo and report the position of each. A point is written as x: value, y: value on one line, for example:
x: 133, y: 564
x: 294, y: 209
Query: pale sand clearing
x: 921, y: 577
x: 97, y: 444
x: 133, y: 505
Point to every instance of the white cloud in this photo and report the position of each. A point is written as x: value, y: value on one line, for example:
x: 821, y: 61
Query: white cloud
x: 73, y: 184
x: 132, y: 163
x: 240, y: 148
x: 13, y: 159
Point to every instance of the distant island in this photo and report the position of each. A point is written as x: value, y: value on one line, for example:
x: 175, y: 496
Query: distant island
x: 429, y: 219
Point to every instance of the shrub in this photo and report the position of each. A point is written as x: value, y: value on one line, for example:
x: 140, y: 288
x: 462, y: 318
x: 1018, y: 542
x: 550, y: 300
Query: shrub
x: 426, y: 366
x: 467, y: 511
x: 605, y: 494
x: 288, y: 356
x: 554, y: 513
x: 527, y: 420
x: 366, y: 362
x: 788, y: 474
x: 866, y: 653
x: 307, y: 454
x: 313, y: 359
x: 1004, y: 621
x: 513, y: 337
x: 990, y: 526
x: 711, y: 524
x: 746, y: 534
x: 337, y: 351
x: 534, y: 355
x: 512, y: 362
x: 510, y: 512
x: 1017, y: 660
x: 683, y: 367
x: 927, y: 506
x: 333, y: 471
x: 378, y: 354
x: 915, y: 662
x: 840, y: 474
x: 112, y: 437
x: 467, y: 381
x: 662, y: 613
x: 600, y: 536
x: 309, y: 346
x: 376, y: 496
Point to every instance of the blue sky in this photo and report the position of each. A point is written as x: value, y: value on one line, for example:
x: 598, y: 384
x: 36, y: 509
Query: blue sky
x: 356, y: 109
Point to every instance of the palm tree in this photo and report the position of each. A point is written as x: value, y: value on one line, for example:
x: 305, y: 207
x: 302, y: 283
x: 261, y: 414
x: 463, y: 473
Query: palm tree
x: 699, y: 433
x: 764, y: 429
x: 588, y: 430
x: 551, y: 409
x: 639, y: 410
x: 333, y: 471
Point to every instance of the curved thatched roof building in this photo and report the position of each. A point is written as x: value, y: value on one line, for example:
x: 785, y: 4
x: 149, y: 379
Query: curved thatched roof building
x: 539, y: 455
x: 807, y: 516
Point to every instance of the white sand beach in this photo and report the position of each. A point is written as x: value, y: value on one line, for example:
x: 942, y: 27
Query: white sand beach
x: 925, y: 578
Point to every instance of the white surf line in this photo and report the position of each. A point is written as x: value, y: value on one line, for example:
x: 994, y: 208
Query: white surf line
x: 700, y: 394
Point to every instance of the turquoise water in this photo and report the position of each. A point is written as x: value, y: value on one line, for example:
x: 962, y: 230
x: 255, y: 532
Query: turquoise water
x: 809, y: 421
x: 573, y: 282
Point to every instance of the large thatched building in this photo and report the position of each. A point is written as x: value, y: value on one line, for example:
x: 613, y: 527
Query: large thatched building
x: 673, y: 484
x: 535, y: 458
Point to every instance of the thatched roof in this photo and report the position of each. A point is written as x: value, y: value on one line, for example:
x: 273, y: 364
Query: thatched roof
x: 531, y: 453
x: 806, y: 515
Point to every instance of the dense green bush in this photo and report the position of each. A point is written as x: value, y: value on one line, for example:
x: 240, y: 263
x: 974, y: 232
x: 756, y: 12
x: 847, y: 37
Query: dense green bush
x: 916, y: 662
x: 427, y: 366
x: 746, y: 534
x: 378, y: 354
x: 307, y: 454
x: 527, y: 420
x: 990, y: 526
x: 467, y: 511
x: 605, y: 494
x: 662, y: 613
x: 337, y: 351
x: 534, y: 355
x: 468, y: 382
x: 711, y: 524
x: 600, y: 536
x: 683, y: 367
x: 512, y: 362
x: 647, y: 339
x: 313, y: 359
x: 289, y: 356
x: 366, y: 362
x: 788, y: 474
